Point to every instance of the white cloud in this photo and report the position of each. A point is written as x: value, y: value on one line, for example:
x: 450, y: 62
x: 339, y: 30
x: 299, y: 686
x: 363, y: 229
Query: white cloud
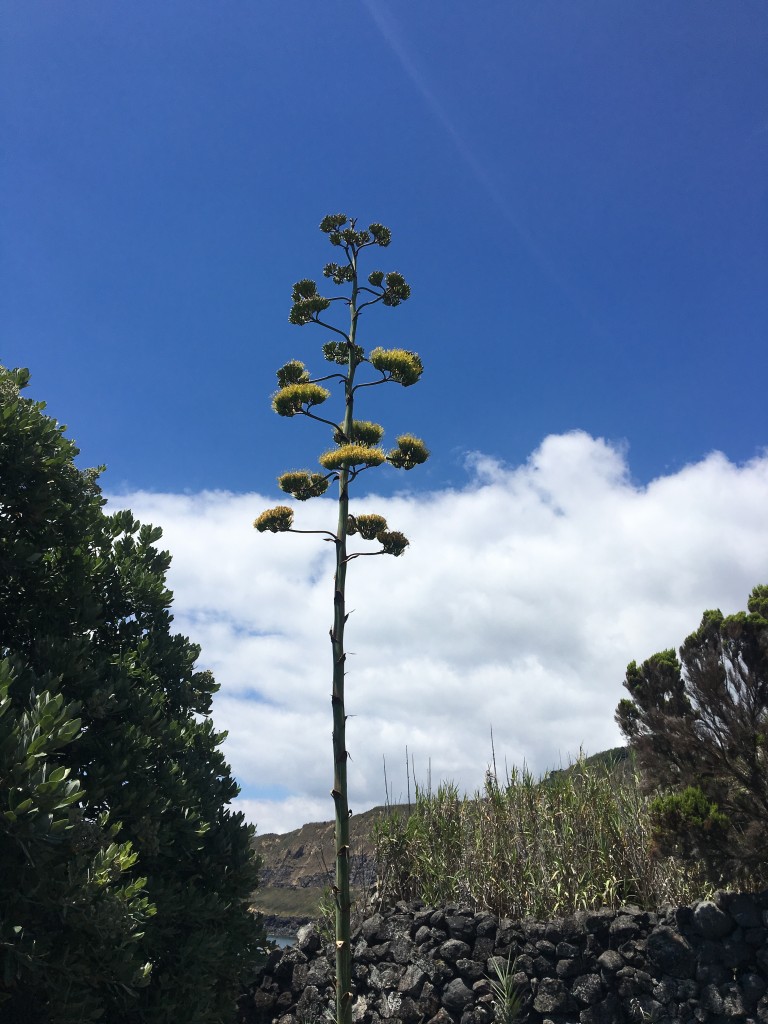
x: 518, y: 605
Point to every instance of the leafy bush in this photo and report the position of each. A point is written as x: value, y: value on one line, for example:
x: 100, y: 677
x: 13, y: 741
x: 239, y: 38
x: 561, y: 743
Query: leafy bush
x: 85, y: 628
x: 72, y: 912
x: 699, y: 725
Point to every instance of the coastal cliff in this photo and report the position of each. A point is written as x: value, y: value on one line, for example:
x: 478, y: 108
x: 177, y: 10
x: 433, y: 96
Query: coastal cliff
x: 297, y: 868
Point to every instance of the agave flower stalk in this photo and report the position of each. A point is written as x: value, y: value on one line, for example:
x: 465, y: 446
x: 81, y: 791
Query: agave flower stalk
x: 356, y: 450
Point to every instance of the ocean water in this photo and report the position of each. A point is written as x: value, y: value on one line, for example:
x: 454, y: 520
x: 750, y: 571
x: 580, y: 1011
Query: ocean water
x: 281, y: 940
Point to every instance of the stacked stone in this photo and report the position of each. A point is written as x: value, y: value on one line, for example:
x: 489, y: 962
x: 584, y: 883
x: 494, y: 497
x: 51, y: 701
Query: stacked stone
x: 285, y: 927
x: 706, y: 964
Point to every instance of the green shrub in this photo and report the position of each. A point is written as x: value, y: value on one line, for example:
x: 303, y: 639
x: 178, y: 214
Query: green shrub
x: 698, y: 725
x: 117, y: 719
x: 72, y: 910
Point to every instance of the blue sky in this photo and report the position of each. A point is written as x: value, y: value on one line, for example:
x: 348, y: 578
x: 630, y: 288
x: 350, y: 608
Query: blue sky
x: 577, y: 195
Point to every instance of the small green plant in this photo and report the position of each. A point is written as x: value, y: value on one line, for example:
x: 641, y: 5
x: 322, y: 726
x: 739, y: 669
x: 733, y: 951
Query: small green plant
x: 644, y: 1016
x: 326, y: 916
x: 507, y: 995
x: 687, y: 810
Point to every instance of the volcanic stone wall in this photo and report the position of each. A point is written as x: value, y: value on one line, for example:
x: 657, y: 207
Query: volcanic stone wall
x: 706, y: 963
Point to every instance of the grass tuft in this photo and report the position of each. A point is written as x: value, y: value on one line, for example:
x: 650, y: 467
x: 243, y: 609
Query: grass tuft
x: 507, y: 996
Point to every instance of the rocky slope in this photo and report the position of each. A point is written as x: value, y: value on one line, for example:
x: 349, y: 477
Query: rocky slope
x: 298, y: 867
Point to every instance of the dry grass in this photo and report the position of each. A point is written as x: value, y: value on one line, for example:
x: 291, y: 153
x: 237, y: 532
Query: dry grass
x: 575, y: 839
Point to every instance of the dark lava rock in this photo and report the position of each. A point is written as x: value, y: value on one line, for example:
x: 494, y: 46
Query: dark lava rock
x: 710, y: 921
x: 308, y: 939
x: 622, y: 930
x: 401, y: 949
x: 456, y: 996
x: 441, y: 1017
x: 412, y: 982
x: 569, y: 968
x: 610, y: 961
x: 752, y: 987
x: 553, y: 997
x: 483, y: 948
x: 453, y: 950
x: 461, y: 927
x: 587, y: 990
x: 735, y: 952
x: 546, y: 949
x: 606, y: 1012
x: 470, y: 970
x: 384, y: 977
x: 373, y: 930
x: 485, y: 925
x: 671, y: 953
x: 743, y: 910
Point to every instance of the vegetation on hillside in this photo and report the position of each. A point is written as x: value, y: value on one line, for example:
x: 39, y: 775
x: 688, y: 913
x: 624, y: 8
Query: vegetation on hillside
x: 125, y: 878
x: 572, y: 840
x: 699, y: 727
x: 687, y: 810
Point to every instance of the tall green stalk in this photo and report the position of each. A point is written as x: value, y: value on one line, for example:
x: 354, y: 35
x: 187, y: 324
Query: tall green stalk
x: 340, y: 792
x: 357, y: 449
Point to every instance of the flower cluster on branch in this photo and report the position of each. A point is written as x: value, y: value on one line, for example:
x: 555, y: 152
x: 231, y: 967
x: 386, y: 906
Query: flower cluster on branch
x: 302, y: 484
x: 297, y: 398
x: 398, y: 364
x: 350, y: 455
x: 276, y: 520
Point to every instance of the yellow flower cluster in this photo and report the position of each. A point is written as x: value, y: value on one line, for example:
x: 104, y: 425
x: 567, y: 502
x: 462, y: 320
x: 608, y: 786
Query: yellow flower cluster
x: 362, y: 432
x: 348, y: 455
x: 276, y: 520
x: 368, y: 526
x: 411, y: 451
x: 403, y: 366
x: 293, y: 372
x: 392, y: 542
x: 302, y: 484
x: 292, y: 399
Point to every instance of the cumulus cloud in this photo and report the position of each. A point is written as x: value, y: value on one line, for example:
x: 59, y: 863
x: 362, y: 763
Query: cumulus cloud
x: 522, y: 598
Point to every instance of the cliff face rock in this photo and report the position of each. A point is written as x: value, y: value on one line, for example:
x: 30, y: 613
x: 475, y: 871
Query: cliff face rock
x: 298, y: 866
x: 303, y: 858
x: 706, y: 964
